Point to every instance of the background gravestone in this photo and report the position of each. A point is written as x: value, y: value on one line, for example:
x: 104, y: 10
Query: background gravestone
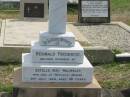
x: 34, y: 9
x: 94, y: 11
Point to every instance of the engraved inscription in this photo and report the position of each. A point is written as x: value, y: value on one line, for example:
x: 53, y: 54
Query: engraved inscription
x: 57, y: 42
x: 57, y: 75
x: 95, y: 8
x: 58, y: 56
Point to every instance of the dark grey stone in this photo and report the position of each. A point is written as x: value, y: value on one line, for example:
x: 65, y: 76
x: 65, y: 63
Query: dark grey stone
x: 93, y: 19
x: 35, y: 10
x: 126, y: 92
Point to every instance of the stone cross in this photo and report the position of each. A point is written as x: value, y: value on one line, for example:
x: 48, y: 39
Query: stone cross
x: 57, y: 16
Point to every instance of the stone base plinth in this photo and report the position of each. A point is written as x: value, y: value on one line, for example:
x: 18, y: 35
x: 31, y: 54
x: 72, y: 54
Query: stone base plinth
x: 23, y: 89
x: 56, y: 72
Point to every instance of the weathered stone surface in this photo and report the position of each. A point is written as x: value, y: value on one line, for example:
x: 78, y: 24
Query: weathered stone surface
x: 59, y: 40
x: 99, y: 54
x: 12, y: 54
x: 21, y: 33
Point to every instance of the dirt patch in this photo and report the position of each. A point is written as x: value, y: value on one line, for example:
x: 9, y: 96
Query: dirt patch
x: 125, y: 17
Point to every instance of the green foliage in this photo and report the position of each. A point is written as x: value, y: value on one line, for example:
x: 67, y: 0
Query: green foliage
x: 113, y: 76
x: 6, y: 70
x: 9, y: 6
x: 72, y: 8
x: 6, y: 88
x: 116, y: 51
x: 9, y: 14
x: 120, y: 5
x: 120, y: 84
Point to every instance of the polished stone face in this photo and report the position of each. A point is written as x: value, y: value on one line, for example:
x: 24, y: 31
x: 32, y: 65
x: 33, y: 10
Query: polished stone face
x: 94, y: 11
x: 34, y: 10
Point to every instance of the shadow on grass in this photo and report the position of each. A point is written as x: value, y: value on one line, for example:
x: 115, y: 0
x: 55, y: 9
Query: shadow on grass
x: 126, y: 92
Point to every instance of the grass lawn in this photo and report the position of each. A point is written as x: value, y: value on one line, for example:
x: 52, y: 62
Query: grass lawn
x: 120, y: 5
x: 9, y: 14
x: 6, y: 79
x: 113, y: 76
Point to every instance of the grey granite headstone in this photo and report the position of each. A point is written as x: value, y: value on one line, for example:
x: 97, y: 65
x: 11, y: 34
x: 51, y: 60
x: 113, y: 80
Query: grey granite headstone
x: 94, y: 11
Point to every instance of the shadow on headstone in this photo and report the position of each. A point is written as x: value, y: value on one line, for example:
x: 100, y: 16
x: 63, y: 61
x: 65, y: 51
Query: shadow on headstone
x: 126, y: 93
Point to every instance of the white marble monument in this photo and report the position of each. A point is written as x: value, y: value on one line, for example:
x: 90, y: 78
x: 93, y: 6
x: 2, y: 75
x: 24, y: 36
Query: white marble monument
x: 56, y: 57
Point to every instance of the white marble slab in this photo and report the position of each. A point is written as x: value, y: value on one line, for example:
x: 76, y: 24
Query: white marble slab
x: 51, y: 54
x: 44, y: 72
x: 60, y: 40
x: 57, y: 16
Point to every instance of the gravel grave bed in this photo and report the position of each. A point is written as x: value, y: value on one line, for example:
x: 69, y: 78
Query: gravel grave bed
x: 112, y: 36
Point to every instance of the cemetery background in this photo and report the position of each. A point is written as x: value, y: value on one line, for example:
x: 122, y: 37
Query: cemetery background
x: 102, y: 72
x: 117, y: 7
